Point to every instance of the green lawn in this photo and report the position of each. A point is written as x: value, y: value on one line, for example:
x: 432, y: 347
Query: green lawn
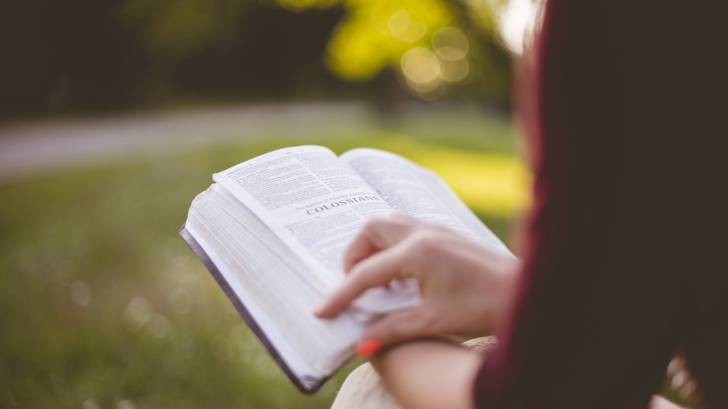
x: 103, y: 306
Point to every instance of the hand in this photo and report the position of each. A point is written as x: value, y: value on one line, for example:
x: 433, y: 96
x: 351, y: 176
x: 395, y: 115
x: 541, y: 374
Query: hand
x: 465, y: 287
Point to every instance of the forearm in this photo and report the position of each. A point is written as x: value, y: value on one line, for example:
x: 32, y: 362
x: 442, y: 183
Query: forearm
x: 429, y: 374
x: 435, y: 374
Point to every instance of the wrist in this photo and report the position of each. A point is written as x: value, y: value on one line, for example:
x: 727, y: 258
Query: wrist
x: 400, y: 351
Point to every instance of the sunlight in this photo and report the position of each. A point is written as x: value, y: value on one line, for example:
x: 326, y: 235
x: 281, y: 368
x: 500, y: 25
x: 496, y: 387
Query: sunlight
x: 516, y: 23
x: 489, y: 183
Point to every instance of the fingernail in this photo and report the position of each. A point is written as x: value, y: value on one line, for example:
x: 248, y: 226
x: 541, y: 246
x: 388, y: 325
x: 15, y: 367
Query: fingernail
x: 318, y: 310
x: 368, y: 347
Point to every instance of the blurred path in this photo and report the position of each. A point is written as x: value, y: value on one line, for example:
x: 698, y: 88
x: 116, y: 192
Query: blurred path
x: 26, y: 148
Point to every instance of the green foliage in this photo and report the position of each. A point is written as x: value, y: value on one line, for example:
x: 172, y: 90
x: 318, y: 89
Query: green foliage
x: 373, y: 36
x: 406, y: 36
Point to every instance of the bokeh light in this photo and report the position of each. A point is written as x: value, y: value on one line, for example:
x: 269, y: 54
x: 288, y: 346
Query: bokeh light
x: 422, y: 69
x: 517, y: 21
x: 376, y: 34
x: 450, y: 44
x: 403, y: 28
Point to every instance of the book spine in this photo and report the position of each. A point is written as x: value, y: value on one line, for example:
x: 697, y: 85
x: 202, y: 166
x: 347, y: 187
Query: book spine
x: 307, y: 385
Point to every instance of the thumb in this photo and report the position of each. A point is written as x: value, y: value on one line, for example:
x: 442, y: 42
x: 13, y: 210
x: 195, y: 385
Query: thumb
x: 398, y: 326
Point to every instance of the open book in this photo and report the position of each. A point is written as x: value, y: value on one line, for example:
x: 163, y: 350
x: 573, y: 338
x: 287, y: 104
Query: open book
x: 273, y: 230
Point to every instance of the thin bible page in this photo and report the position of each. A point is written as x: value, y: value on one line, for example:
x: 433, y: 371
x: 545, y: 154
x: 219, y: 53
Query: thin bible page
x: 311, y: 200
x: 451, y: 200
x: 417, y: 192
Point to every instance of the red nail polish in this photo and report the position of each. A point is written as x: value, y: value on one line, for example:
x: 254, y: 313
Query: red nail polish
x: 368, y: 347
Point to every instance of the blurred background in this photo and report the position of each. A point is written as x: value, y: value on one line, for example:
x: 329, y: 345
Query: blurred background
x: 114, y: 114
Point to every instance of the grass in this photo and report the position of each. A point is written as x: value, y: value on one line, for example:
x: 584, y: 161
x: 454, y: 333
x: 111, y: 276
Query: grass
x: 103, y: 306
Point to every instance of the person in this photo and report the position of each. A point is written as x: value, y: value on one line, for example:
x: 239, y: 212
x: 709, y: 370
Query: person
x: 622, y: 265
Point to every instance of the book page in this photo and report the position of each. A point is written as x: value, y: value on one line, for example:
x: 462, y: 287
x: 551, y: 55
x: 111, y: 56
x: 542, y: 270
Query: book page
x: 418, y: 192
x: 265, y: 275
x: 312, y: 201
x: 315, y: 204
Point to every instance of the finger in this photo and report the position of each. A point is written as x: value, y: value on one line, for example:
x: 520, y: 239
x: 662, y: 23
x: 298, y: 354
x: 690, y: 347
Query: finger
x: 400, y: 326
x: 360, y: 248
x: 377, y: 234
x: 676, y: 365
x: 375, y: 271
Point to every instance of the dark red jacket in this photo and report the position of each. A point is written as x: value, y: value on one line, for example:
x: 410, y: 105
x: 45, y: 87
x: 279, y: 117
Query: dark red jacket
x: 627, y: 259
